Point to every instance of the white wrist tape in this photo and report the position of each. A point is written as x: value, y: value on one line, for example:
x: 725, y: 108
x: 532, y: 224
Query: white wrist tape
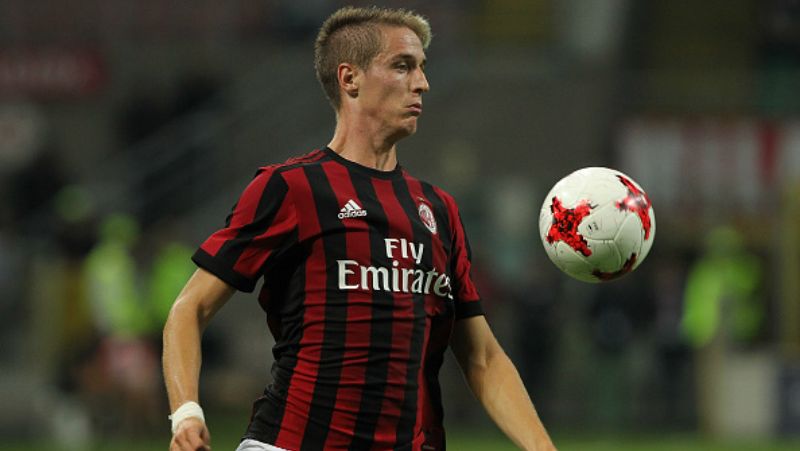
x: 187, y: 410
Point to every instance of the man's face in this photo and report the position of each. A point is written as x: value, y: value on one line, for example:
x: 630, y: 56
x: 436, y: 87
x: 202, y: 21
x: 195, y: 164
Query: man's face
x: 390, y: 91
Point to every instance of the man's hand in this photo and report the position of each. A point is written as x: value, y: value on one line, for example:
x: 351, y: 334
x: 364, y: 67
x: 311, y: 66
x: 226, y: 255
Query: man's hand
x: 197, y: 303
x: 191, y: 435
x: 496, y: 383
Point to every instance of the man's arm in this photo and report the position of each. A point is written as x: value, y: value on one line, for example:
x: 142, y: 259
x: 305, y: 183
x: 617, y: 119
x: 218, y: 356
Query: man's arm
x: 203, y: 295
x: 496, y: 383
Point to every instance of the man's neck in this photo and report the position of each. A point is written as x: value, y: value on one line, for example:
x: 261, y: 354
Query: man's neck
x: 360, y: 144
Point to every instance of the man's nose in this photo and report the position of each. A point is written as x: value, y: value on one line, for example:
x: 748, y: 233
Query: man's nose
x: 421, y: 82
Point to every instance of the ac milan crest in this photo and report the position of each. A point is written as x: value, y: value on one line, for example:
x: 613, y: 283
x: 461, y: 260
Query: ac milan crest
x: 426, y: 215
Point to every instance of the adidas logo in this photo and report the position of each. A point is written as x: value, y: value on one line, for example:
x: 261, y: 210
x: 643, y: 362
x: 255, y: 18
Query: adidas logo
x: 351, y: 210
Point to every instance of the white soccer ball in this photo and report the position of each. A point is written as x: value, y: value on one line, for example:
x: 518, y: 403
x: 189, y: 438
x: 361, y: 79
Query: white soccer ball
x: 597, y: 224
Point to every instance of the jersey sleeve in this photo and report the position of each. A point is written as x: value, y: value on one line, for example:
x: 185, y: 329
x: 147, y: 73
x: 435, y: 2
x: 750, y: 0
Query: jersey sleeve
x: 467, y: 300
x: 261, y: 224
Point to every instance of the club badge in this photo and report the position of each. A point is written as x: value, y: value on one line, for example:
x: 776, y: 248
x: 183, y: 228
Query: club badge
x: 426, y: 215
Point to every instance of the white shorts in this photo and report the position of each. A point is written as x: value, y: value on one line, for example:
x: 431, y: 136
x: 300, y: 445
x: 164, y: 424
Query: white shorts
x: 254, y: 445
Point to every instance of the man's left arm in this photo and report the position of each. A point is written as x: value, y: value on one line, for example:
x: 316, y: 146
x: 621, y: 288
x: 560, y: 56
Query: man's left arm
x: 494, y: 380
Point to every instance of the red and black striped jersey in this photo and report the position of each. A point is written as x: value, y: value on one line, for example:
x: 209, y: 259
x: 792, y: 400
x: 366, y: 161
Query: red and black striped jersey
x: 364, y: 273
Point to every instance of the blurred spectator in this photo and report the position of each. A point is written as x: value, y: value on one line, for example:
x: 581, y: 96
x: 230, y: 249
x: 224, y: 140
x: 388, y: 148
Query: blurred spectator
x: 122, y: 381
x: 75, y: 237
x: 722, y: 318
x: 111, y: 273
x: 62, y: 334
x: 721, y: 292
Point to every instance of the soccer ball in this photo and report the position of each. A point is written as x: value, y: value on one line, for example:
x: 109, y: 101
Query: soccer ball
x: 597, y: 224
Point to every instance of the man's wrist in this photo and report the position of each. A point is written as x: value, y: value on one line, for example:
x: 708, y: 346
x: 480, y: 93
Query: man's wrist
x: 188, y: 409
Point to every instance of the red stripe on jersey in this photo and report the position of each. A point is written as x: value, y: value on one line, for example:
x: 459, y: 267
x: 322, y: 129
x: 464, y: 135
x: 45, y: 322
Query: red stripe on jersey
x: 254, y: 256
x: 359, y: 314
x: 307, y: 158
x: 243, y: 214
x: 300, y: 191
x: 402, y: 323
x: 304, y: 375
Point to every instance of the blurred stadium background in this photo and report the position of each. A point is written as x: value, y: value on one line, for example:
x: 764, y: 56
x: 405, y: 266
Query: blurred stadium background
x: 127, y: 130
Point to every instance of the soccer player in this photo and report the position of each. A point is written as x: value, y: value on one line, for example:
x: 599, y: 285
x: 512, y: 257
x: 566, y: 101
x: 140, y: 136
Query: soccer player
x: 366, y: 274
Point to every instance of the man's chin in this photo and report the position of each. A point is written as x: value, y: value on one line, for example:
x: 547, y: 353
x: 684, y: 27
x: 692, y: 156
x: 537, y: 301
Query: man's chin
x: 410, y: 126
x: 406, y: 130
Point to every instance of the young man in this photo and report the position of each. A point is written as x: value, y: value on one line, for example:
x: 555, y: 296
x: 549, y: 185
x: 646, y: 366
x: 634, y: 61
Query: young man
x: 366, y: 274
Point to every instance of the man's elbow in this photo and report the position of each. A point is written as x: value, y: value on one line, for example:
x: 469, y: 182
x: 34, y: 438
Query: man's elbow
x: 184, y: 313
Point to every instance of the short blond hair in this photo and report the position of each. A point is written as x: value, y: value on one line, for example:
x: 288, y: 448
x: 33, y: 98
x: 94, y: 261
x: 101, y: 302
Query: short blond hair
x: 352, y: 35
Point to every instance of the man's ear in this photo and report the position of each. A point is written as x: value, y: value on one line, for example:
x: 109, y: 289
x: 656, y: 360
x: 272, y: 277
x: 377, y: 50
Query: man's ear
x: 349, y: 77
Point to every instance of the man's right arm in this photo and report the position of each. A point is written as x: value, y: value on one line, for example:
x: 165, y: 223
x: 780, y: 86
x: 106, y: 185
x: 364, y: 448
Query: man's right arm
x: 201, y: 298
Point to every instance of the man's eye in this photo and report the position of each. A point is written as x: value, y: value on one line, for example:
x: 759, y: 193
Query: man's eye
x: 401, y: 66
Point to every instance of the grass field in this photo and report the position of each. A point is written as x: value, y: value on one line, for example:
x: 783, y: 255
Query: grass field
x: 475, y: 441
x: 226, y: 430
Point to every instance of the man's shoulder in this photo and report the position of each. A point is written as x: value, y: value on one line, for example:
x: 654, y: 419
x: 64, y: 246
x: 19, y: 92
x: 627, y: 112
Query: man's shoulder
x: 313, y: 157
x: 431, y: 188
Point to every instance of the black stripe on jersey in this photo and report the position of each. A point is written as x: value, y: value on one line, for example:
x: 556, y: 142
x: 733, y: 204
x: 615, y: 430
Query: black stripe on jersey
x: 468, y: 309
x: 380, y: 343
x: 270, y: 199
x: 206, y: 261
x: 408, y: 415
x: 328, y: 372
x: 285, y: 317
x: 272, y: 196
x: 222, y: 264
